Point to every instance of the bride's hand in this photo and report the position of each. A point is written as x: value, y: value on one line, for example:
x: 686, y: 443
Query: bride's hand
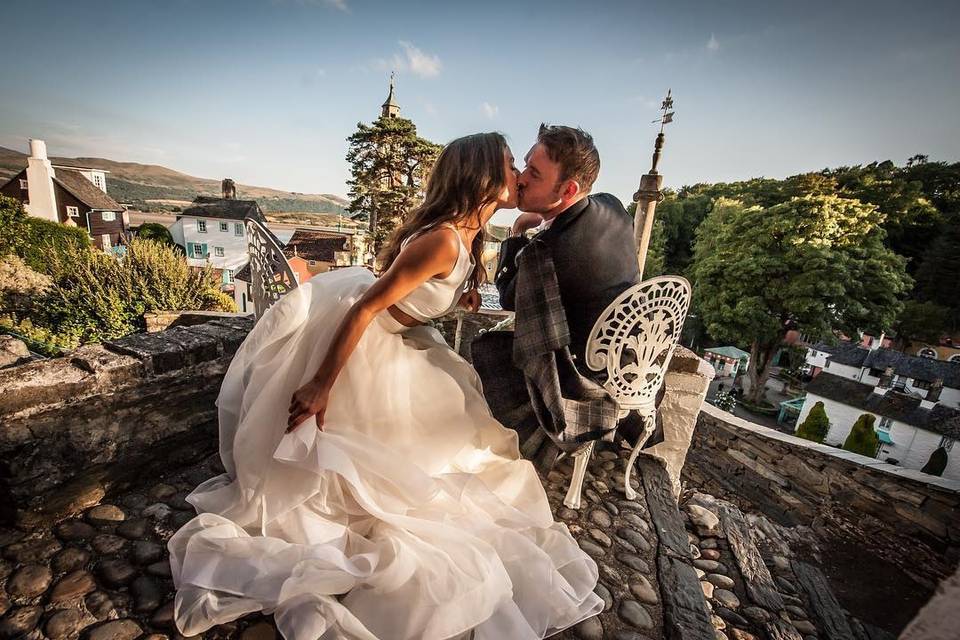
x: 310, y: 399
x: 470, y: 300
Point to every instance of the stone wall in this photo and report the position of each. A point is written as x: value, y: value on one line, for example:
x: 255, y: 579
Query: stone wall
x: 67, y: 423
x: 907, y: 517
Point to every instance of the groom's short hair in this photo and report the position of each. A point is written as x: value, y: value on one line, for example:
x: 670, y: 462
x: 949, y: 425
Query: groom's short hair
x: 574, y: 151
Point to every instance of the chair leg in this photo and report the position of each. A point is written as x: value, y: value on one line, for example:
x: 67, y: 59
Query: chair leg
x: 648, y: 422
x: 580, y: 460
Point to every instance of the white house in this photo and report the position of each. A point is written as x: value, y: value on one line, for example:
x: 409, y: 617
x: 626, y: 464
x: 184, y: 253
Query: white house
x: 213, y: 231
x: 914, y: 400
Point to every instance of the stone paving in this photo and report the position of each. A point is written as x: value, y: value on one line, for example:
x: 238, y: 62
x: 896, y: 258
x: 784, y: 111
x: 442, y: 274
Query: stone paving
x: 693, y: 573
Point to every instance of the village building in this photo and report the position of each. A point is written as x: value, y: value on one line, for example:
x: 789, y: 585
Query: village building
x: 74, y: 196
x: 212, y: 231
x: 914, y: 400
x: 727, y: 361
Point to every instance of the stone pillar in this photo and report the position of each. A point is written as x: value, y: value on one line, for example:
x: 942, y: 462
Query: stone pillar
x: 685, y: 388
x: 647, y: 198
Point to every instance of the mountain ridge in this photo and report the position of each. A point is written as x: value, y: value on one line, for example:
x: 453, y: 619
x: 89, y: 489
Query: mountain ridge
x: 147, y: 186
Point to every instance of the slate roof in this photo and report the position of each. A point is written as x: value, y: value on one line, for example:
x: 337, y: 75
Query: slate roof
x: 852, y: 356
x: 893, y: 404
x: 911, y: 366
x: 210, y: 207
x: 315, y: 245
x: 84, y: 190
x: 243, y: 273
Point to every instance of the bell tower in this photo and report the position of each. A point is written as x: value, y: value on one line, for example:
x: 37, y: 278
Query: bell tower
x: 390, y: 108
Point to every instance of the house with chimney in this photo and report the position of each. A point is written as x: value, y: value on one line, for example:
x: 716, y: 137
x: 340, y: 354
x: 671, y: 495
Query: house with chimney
x: 914, y: 400
x: 213, y: 231
x: 74, y: 196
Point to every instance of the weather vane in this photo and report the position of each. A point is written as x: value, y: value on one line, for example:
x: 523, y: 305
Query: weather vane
x: 649, y: 193
x: 666, y: 107
x: 666, y: 118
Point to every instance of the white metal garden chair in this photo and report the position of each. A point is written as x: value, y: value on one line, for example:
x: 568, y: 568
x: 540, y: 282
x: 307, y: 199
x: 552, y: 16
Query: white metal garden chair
x: 633, y: 341
x: 270, y: 274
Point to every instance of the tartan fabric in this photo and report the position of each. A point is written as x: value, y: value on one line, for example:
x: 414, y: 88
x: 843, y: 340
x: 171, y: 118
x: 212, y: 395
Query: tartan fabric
x: 570, y: 408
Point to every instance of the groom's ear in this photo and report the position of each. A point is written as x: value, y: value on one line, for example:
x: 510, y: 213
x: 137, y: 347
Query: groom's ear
x: 569, y: 189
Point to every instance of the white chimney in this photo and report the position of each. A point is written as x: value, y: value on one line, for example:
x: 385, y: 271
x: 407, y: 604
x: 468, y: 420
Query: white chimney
x: 43, y: 201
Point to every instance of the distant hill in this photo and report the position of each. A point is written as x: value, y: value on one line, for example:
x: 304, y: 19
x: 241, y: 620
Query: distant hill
x: 151, y: 187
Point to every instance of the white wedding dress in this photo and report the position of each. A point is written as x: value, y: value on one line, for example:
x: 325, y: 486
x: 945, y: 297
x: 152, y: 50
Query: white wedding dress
x: 411, y: 515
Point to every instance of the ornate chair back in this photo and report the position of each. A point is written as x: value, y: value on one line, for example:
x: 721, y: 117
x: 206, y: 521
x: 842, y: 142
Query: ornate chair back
x: 633, y: 341
x: 270, y: 274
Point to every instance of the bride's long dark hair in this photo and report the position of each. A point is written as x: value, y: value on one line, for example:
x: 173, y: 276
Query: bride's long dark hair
x: 468, y: 175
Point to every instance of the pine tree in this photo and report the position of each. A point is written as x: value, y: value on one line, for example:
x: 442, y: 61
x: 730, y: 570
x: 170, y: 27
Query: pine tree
x: 863, y: 438
x: 389, y: 164
x: 816, y: 425
x: 937, y: 462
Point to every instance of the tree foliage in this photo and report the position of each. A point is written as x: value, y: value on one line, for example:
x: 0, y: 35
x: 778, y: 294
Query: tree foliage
x: 863, y: 438
x: 389, y: 165
x: 815, y: 262
x: 155, y: 231
x: 816, y: 425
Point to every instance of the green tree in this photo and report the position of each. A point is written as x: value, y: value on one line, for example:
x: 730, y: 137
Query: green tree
x: 816, y: 425
x: 155, y: 231
x: 937, y: 275
x: 389, y: 165
x: 815, y: 262
x: 35, y: 240
x: 923, y: 321
x: 937, y: 463
x: 862, y: 438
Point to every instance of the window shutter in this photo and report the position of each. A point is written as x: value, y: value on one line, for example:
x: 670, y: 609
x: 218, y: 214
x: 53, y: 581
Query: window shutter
x: 203, y: 250
x: 189, y: 249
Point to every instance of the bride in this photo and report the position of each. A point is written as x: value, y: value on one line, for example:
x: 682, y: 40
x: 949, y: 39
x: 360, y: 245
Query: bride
x: 383, y: 500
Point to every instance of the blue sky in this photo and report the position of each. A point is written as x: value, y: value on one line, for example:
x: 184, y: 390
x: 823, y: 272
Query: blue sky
x: 267, y: 91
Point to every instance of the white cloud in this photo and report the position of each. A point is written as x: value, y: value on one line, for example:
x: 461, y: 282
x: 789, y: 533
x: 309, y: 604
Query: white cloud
x: 338, y: 4
x: 713, y: 44
x: 490, y: 110
x: 412, y: 59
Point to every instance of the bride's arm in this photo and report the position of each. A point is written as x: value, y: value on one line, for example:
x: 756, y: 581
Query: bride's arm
x: 429, y: 255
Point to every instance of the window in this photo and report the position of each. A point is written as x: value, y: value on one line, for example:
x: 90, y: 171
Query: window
x: 73, y: 212
x: 884, y: 424
x: 954, y: 358
x: 228, y: 276
x: 202, y: 226
x: 920, y: 384
x: 197, y: 250
x: 927, y: 352
x: 98, y: 181
x: 218, y: 251
x: 899, y: 383
x: 876, y: 373
x: 108, y: 216
x: 224, y: 227
x: 312, y: 263
x: 23, y: 183
x: 238, y: 229
x: 947, y: 443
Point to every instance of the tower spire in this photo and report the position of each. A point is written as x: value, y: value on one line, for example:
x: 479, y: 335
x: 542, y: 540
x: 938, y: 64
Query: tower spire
x: 390, y: 108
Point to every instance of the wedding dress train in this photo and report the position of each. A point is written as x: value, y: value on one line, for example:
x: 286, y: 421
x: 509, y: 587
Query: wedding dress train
x: 411, y: 515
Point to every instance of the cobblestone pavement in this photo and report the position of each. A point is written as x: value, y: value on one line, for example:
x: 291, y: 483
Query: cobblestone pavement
x: 103, y: 574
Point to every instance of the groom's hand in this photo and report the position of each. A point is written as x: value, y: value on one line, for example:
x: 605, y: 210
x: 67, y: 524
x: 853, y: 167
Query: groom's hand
x: 525, y: 222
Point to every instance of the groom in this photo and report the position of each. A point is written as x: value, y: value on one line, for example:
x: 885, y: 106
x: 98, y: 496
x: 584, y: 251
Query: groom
x: 589, y: 239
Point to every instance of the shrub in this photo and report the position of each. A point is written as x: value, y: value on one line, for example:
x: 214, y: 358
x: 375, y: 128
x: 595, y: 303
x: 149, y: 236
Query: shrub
x: 862, y: 438
x: 937, y: 462
x: 35, y: 240
x: 816, y: 425
x: 725, y: 401
x: 104, y: 297
x: 20, y: 286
